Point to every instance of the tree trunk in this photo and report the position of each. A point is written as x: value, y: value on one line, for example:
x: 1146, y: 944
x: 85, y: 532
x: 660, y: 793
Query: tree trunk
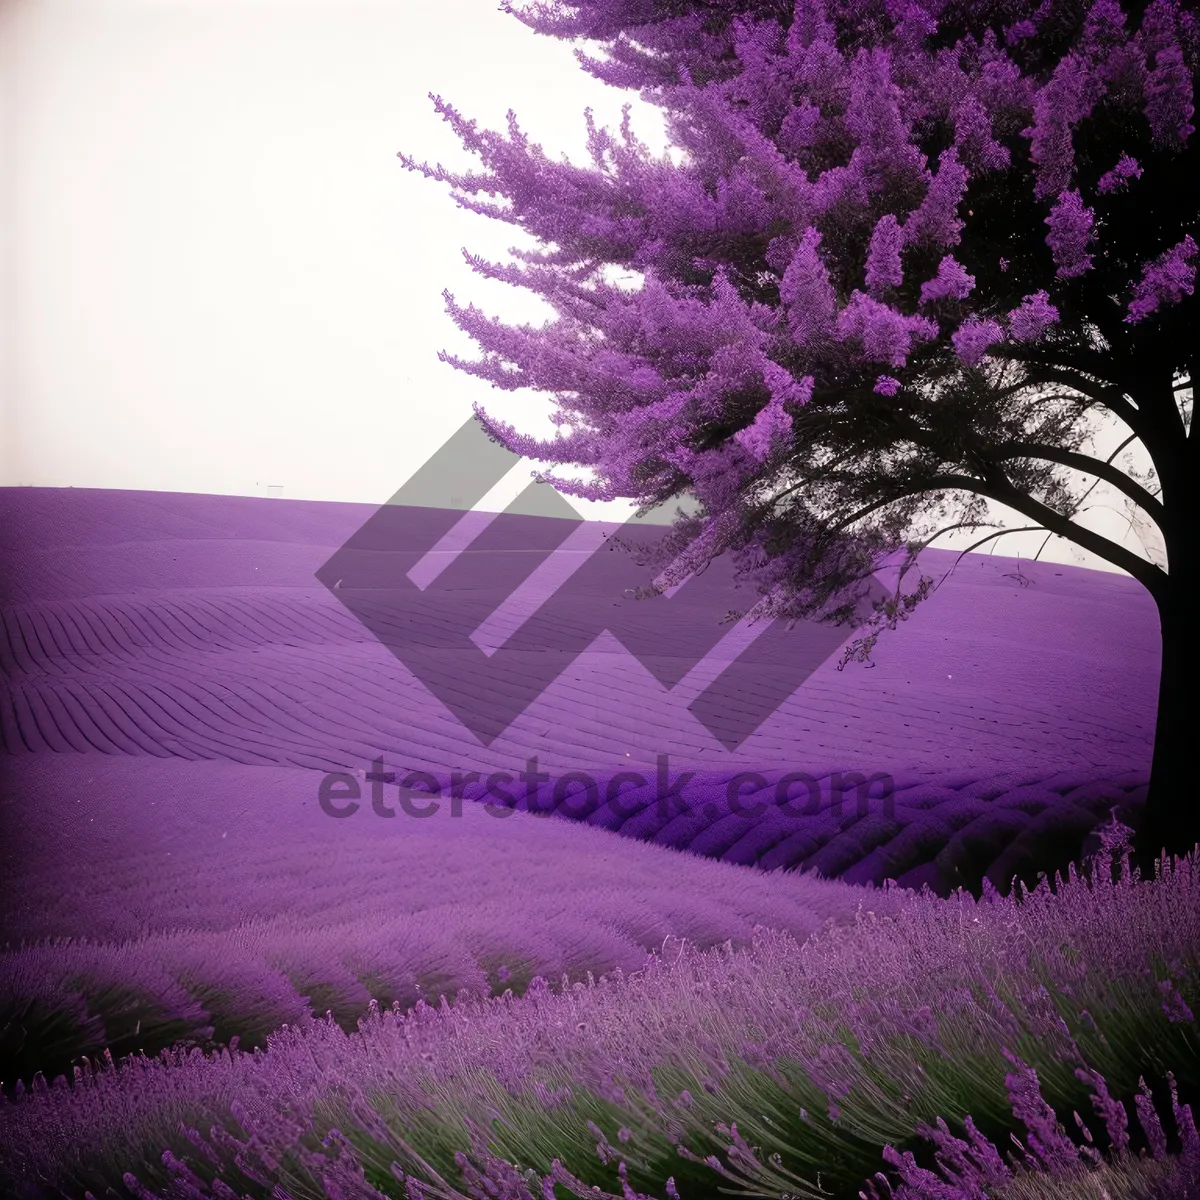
x: 1171, y: 819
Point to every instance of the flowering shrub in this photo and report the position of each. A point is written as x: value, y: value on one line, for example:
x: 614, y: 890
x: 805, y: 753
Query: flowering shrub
x: 771, y: 1065
x: 210, y: 948
x: 1054, y: 1165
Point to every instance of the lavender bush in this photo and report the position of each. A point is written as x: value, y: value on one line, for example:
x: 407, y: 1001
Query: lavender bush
x: 818, y: 1054
x: 1053, y: 1165
x: 207, y: 949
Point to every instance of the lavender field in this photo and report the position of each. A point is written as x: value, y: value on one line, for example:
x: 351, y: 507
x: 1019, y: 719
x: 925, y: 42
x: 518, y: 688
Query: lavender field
x: 631, y: 976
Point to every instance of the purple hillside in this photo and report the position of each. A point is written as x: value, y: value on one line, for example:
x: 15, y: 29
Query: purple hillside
x: 1012, y: 712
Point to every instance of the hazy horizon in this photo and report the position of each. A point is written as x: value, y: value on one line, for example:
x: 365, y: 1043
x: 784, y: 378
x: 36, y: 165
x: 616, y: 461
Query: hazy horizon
x: 223, y: 280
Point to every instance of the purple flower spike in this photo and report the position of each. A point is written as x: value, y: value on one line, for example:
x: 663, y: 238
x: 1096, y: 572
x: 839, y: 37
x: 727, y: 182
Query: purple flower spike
x: 1117, y: 180
x: 973, y: 338
x: 1030, y: 320
x: 1166, y: 280
x: 1070, y: 232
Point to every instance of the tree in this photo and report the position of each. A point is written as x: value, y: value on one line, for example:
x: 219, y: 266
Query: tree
x: 915, y: 250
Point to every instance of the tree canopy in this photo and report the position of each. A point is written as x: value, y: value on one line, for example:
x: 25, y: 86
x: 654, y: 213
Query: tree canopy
x: 915, y: 249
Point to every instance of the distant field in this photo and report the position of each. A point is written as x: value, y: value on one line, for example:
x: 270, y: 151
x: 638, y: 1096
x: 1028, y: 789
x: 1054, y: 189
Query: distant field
x: 1016, y: 706
x: 194, y: 627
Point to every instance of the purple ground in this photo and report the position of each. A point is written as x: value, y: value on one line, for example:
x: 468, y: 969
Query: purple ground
x: 1014, y: 708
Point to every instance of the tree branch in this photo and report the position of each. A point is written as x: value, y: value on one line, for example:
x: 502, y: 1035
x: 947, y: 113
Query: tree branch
x: 936, y: 483
x: 1089, y: 466
x: 1152, y: 578
x: 982, y: 541
x: 1108, y: 395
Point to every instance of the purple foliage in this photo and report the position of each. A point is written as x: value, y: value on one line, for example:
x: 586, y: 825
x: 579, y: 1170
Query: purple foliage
x: 974, y: 337
x: 682, y: 1009
x: 1169, y: 97
x: 1115, y: 1119
x: 844, y: 149
x: 1118, y: 178
x: 1165, y: 281
x: 280, y: 657
x: 966, y: 1170
x: 1066, y: 99
x: 935, y: 223
x: 884, y: 334
x: 951, y: 282
x: 1047, y: 1138
x: 829, y: 149
x: 772, y: 427
x: 1070, y: 233
x: 1030, y: 320
x: 884, y: 268
x: 808, y: 295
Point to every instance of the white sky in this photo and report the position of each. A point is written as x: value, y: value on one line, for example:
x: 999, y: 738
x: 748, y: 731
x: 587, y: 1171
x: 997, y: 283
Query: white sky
x: 217, y: 274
